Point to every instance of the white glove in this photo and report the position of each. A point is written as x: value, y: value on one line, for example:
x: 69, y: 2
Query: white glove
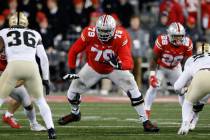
x: 70, y: 77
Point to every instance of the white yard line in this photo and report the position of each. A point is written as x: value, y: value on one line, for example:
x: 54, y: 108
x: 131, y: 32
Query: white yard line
x: 140, y: 134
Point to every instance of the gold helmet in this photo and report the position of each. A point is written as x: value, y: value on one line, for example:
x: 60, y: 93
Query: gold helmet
x: 203, y: 48
x: 18, y: 19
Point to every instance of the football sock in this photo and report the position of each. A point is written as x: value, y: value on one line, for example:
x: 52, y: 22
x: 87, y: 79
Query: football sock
x: 31, y: 114
x: 141, y: 112
x: 181, y: 99
x: 150, y: 97
x: 75, y: 109
x: 8, y: 114
x: 45, y: 112
x: 186, y: 111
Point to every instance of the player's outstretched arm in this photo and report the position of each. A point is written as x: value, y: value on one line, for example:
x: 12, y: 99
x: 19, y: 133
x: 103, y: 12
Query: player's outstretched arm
x: 44, y: 63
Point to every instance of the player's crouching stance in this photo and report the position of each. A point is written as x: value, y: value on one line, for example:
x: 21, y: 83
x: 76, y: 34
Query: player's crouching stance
x: 169, y: 51
x: 108, y: 56
x: 19, y: 96
x: 196, y: 68
x: 21, y: 45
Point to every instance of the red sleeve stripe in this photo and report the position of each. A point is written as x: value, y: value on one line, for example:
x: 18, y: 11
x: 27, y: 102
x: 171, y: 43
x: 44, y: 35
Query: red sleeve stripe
x: 82, y: 36
x: 125, y: 42
x: 158, y: 44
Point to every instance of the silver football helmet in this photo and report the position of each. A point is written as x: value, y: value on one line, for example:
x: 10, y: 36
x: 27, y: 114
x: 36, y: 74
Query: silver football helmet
x: 176, y: 33
x: 105, y: 28
x: 18, y: 19
x: 203, y: 48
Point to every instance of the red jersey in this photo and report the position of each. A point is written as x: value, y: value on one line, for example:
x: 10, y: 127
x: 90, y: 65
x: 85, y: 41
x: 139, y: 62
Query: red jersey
x: 169, y: 56
x: 3, y: 61
x: 97, y: 52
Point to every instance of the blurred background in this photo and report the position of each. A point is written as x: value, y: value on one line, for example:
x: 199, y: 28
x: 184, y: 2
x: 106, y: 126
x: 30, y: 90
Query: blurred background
x: 60, y: 23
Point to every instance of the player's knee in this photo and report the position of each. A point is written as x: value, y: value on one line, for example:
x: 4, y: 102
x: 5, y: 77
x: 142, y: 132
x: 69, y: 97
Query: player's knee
x: 198, y: 107
x: 30, y: 107
x: 74, y: 100
x: 135, y: 101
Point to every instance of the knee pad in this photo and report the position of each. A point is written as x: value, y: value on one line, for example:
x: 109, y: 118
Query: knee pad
x: 135, y: 101
x: 30, y: 107
x: 198, y: 107
x: 76, y: 100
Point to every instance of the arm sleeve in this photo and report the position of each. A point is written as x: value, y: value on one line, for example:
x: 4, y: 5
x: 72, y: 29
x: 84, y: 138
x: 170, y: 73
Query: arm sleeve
x: 77, y: 47
x: 182, y: 80
x: 124, y: 54
x: 74, y: 50
x: 44, y: 63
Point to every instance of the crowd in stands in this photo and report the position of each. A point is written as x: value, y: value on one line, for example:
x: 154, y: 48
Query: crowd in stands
x: 60, y: 23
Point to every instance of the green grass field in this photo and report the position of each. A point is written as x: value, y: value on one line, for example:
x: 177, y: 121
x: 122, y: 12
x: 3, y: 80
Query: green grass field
x: 110, y: 121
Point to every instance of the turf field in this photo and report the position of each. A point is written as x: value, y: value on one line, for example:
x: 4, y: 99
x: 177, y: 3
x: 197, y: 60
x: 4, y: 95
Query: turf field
x: 111, y: 121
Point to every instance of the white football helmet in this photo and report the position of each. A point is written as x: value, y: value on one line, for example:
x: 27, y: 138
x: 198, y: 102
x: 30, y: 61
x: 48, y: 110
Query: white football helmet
x: 105, y: 28
x: 203, y: 48
x: 18, y: 19
x: 176, y: 33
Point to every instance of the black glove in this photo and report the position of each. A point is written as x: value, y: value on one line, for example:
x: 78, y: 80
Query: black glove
x: 71, y: 76
x: 46, y: 84
x: 115, y: 62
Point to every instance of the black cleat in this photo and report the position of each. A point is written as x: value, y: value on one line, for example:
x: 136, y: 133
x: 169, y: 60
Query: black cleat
x: 51, y: 133
x: 69, y: 118
x: 149, y: 127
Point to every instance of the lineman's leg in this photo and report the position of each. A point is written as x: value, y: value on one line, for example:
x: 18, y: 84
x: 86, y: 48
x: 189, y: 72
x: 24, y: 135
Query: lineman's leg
x: 21, y: 95
x: 197, y: 107
x: 7, y: 82
x: 198, y: 88
x: 152, y: 92
x: 35, y: 88
x: 8, y: 118
x: 13, y: 105
x: 126, y: 81
x: 88, y: 77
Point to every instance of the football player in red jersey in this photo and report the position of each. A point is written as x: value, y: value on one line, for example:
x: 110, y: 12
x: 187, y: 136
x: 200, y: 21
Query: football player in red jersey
x: 169, y: 51
x: 108, y: 56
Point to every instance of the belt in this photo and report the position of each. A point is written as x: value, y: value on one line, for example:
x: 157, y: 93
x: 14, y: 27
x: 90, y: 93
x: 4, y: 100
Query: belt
x: 205, y: 69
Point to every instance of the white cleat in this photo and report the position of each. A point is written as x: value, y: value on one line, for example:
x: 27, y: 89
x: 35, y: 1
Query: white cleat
x: 184, y: 128
x: 194, y: 121
x: 37, y: 127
